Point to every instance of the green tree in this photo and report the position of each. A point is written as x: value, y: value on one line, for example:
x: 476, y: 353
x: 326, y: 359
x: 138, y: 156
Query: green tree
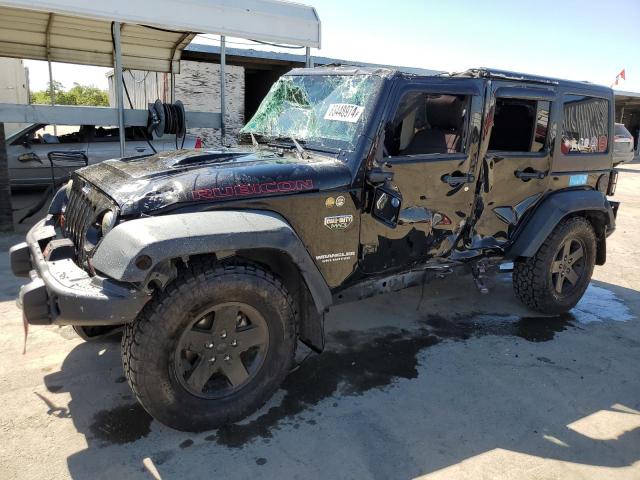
x: 76, y: 95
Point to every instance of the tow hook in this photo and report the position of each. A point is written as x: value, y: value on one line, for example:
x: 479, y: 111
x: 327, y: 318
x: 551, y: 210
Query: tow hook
x: 479, y: 275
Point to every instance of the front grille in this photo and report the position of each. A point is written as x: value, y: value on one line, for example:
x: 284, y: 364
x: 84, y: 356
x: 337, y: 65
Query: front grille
x: 84, y: 205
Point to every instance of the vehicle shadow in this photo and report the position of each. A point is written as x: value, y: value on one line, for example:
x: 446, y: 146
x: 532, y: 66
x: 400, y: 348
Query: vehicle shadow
x: 414, y: 393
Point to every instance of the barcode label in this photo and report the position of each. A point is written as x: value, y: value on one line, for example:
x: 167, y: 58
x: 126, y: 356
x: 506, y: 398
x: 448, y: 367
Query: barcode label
x: 344, y: 112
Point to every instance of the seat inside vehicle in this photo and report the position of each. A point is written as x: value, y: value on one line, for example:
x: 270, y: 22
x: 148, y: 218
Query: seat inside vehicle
x: 428, y: 124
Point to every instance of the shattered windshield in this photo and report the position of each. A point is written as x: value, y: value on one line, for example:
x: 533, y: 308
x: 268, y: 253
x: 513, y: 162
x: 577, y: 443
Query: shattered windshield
x: 325, y: 110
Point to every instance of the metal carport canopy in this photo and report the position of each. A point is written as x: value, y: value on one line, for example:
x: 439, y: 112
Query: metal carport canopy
x: 79, y: 31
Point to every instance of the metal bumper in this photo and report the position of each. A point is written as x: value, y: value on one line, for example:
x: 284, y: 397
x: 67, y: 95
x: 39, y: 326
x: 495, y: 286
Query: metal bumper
x: 62, y: 293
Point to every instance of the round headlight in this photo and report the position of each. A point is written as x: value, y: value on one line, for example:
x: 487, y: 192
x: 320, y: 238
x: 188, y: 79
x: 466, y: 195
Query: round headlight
x: 108, y: 221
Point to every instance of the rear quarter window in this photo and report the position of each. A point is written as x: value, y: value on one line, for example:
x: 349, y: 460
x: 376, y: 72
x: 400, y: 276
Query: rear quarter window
x: 585, y: 125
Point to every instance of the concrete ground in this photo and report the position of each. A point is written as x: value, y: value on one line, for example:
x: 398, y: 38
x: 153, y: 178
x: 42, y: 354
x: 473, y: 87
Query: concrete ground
x: 433, y: 383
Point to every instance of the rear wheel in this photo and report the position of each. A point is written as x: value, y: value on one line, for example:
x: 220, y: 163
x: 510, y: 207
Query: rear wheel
x: 213, y: 347
x: 555, y: 278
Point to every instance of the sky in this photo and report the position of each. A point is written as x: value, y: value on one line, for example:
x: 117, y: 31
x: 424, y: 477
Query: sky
x: 578, y: 40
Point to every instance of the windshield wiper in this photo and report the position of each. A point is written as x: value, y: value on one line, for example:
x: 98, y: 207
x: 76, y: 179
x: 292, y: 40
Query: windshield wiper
x: 255, y: 143
x: 253, y: 139
x: 300, y: 151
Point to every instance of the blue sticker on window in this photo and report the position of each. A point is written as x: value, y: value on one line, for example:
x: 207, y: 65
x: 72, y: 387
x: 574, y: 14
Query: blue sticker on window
x: 575, y: 180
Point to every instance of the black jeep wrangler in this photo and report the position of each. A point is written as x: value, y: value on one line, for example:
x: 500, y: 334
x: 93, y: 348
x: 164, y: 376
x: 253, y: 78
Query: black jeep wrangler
x: 348, y: 182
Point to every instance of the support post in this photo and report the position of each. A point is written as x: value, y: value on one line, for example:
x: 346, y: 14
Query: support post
x: 6, y: 210
x: 173, y: 87
x: 51, y: 91
x: 308, y: 60
x: 117, y: 73
x: 223, y: 103
x: 52, y: 95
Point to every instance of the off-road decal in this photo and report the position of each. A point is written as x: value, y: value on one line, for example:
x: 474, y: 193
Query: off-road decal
x: 338, y: 222
x: 252, y: 189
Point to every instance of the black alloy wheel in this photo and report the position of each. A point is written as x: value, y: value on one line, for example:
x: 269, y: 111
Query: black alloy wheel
x: 222, y: 350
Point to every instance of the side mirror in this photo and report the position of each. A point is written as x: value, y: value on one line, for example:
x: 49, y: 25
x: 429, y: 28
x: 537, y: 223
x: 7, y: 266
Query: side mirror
x: 26, y: 144
x: 386, y: 206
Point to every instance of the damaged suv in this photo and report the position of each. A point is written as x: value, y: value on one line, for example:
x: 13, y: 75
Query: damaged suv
x: 348, y: 182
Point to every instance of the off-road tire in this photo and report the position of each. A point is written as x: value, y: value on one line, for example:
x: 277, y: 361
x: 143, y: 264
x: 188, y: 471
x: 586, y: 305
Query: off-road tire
x: 532, y: 277
x: 149, y: 343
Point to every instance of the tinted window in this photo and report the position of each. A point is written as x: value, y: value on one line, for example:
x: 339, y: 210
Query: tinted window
x: 620, y: 130
x: 47, y: 135
x: 112, y: 134
x: 519, y: 125
x: 427, y: 123
x: 585, y: 127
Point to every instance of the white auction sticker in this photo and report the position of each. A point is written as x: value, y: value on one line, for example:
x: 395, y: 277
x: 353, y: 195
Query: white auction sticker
x: 344, y: 112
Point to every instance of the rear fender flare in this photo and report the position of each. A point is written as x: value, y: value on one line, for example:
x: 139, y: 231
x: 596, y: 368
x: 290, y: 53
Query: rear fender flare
x: 550, y: 213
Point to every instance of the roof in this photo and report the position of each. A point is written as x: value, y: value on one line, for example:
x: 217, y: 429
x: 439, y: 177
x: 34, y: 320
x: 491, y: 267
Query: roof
x: 242, y: 56
x: 483, y: 72
x: 154, y: 32
x: 627, y: 99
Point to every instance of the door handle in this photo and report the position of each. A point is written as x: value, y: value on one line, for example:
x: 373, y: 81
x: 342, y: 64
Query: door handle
x: 455, y: 180
x: 530, y: 174
x: 29, y: 157
x: 140, y: 149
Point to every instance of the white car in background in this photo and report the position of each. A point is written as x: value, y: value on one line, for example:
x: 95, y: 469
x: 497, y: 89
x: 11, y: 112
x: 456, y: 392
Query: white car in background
x: 622, y: 145
x: 27, y: 149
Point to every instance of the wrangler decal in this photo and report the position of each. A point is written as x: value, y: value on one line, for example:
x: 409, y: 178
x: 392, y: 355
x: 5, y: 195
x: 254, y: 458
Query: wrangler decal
x: 251, y: 189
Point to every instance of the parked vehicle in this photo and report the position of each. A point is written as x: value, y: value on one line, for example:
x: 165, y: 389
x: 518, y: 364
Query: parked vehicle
x: 27, y: 149
x: 622, y: 145
x: 349, y: 182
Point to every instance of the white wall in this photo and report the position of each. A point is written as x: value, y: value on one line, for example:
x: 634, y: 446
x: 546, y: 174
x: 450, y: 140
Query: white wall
x: 14, y: 87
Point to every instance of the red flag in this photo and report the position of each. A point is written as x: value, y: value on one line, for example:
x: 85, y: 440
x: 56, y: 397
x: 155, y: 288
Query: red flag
x: 622, y: 74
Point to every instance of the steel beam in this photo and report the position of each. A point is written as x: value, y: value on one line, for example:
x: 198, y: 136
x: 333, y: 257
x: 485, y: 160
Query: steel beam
x: 74, y: 115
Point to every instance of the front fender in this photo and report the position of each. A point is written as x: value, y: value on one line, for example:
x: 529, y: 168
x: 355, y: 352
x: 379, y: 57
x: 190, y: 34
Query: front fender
x: 174, y: 236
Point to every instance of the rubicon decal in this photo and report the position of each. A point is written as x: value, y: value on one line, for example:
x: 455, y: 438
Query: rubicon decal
x: 252, y: 189
x: 339, y: 222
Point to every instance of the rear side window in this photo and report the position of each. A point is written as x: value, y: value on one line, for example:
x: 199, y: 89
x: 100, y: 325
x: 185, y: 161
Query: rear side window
x: 519, y: 125
x: 585, y: 127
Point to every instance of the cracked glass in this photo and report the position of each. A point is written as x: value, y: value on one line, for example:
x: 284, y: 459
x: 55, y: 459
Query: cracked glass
x: 319, y: 110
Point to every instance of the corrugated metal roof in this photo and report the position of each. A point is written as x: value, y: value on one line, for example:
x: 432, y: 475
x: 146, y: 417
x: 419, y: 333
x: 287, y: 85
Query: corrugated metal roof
x: 154, y: 32
x: 64, y: 38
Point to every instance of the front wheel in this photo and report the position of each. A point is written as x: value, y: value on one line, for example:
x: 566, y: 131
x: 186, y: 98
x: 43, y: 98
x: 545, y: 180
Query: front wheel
x: 555, y: 278
x: 213, y: 347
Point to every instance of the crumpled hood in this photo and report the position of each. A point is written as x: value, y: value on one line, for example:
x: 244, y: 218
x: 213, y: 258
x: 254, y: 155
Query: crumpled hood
x: 142, y: 185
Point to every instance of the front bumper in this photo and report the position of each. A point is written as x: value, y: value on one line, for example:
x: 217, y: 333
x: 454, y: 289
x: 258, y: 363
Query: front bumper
x: 62, y: 293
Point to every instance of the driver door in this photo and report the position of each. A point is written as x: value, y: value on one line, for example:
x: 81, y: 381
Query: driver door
x: 28, y: 156
x: 431, y: 134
